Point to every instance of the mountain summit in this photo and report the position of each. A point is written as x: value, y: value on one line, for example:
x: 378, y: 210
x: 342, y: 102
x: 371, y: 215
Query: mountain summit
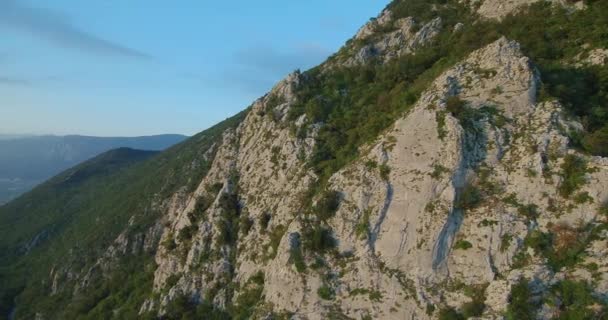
x: 447, y: 163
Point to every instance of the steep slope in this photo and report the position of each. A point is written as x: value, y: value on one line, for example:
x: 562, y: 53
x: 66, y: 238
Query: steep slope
x: 27, y: 161
x: 443, y: 164
x: 68, y: 222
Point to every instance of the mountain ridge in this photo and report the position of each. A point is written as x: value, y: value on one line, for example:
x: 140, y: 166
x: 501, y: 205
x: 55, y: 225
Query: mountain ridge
x: 452, y: 181
x: 29, y: 160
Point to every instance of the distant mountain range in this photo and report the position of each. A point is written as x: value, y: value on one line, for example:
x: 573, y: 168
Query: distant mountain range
x: 26, y: 161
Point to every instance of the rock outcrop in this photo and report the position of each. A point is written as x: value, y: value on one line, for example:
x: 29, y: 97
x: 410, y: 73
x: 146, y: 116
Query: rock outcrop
x: 406, y: 36
x: 469, y: 193
x: 411, y: 253
x: 497, y: 9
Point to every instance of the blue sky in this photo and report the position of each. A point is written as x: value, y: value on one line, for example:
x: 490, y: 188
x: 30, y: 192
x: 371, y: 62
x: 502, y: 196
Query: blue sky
x: 135, y: 67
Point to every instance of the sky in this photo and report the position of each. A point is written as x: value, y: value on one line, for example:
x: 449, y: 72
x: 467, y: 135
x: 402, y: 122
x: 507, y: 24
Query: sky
x: 142, y: 67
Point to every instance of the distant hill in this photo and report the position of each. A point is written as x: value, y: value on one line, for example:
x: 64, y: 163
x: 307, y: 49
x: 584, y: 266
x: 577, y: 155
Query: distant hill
x: 26, y: 161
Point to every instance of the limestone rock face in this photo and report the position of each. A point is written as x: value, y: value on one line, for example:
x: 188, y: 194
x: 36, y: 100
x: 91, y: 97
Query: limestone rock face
x: 411, y: 253
x: 497, y: 9
x: 406, y: 37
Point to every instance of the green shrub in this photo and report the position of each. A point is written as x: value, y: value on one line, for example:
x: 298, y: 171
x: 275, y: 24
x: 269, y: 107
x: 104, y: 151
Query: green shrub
x: 430, y: 309
x: 202, y: 204
x: 440, y: 119
x: 474, y: 308
x: 470, y: 198
x: 597, y: 142
x: 257, y: 278
x: 318, y: 239
x: 248, y: 299
x: 573, y: 174
x: 375, y: 296
x: 265, y: 220
x: 582, y: 197
x: 297, y: 258
x: 385, y: 171
x: 245, y: 224
x: 456, y: 106
x: 603, y: 209
x: 541, y: 242
x: 276, y: 235
x: 438, y: 171
x: 563, y: 246
x: 328, y: 204
x: 450, y: 314
x: 520, y: 302
x: 574, y: 300
x: 187, y: 232
x: 529, y: 211
x: 505, y: 242
x: 229, y: 222
x: 169, y: 243
x: 462, y: 245
x: 325, y: 292
x: 371, y: 164
x: 511, y: 199
x: 362, y: 228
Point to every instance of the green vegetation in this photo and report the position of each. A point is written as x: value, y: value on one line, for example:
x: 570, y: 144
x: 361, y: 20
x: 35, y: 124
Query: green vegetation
x: 462, y: 245
x: 248, y: 298
x: 276, y: 235
x: 473, y: 308
x: 357, y: 103
x: 573, y: 174
x: 385, y: 171
x: 229, y: 222
x: 476, y: 306
x: 186, y: 233
x: 297, y: 257
x: 549, y: 35
x: 529, y: 211
x: 89, y: 205
x: 184, y: 308
x: 597, y: 142
x: 450, y: 314
x: 328, y: 204
x: 573, y: 299
x: 563, y: 246
x: 325, y: 292
x: 438, y: 171
x: 265, y: 220
x: 80, y: 212
x: 362, y: 228
x: 318, y: 239
x: 372, y: 294
x: 470, y: 197
x: 521, y: 306
x: 603, y: 209
x: 198, y: 214
x: 505, y: 242
x: 456, y: 106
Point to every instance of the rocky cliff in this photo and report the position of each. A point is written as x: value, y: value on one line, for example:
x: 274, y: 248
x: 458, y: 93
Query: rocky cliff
x: 470, y: 199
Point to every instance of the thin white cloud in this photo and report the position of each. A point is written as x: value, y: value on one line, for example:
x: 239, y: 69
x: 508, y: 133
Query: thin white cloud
x: 57, y: 29
x: 14, y: 81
